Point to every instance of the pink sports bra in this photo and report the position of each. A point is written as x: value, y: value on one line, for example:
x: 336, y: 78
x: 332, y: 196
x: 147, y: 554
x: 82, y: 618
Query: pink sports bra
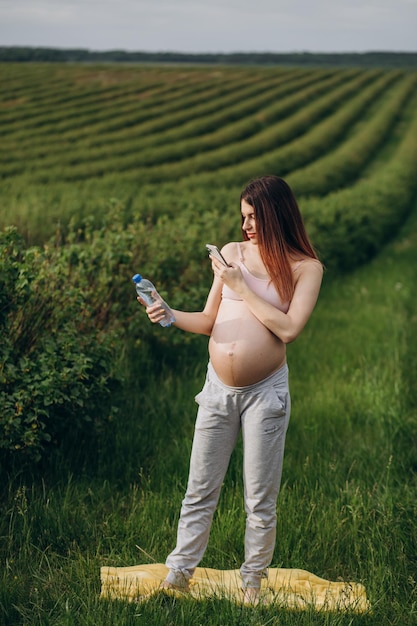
x: 263, y: 287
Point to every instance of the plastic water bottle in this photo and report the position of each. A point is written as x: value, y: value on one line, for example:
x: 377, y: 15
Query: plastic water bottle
x: 146, y: 290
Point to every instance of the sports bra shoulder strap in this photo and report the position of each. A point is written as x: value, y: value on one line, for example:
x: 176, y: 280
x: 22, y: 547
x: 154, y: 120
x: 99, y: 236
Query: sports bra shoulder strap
x: 297, y: 265
x: 240, y: 252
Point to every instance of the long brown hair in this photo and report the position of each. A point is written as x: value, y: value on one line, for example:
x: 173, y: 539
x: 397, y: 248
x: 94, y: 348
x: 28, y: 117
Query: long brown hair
x: 280, y: 230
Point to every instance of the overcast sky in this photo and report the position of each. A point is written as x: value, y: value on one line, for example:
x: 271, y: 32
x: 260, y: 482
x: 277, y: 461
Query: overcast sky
x: 212, y: 25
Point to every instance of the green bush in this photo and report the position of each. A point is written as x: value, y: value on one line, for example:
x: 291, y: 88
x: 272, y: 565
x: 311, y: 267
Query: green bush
x: 56, y: 362
x: 69, y: 318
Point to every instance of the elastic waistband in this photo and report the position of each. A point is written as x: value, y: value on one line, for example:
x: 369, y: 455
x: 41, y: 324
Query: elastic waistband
x: 279, y: 376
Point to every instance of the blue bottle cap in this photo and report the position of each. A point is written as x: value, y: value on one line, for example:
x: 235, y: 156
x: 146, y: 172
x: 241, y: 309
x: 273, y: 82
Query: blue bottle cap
x: 137, y: 278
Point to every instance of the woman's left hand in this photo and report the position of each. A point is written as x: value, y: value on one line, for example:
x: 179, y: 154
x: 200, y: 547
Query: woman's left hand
x: 230, y: 275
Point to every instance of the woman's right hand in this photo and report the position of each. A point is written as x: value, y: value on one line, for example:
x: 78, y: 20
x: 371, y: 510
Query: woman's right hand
x: 155, y: 311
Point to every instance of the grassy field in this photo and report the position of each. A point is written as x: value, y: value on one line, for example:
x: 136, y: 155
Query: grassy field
x: 347, y: 509
x: 76, y: 144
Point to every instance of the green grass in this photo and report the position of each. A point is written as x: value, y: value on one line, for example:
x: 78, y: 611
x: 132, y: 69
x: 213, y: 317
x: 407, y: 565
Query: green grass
x: 346, y: 511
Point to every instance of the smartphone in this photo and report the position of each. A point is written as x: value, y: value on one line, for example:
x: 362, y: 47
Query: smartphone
x: 214, y: 251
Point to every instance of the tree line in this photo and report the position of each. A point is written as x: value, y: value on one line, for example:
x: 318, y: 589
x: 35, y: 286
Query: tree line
x: 28, y: 54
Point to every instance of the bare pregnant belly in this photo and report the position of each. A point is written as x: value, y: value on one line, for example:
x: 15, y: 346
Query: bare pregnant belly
x: 242, y: 350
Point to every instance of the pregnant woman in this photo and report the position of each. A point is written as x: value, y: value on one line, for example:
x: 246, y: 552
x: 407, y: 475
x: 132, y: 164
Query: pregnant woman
x: 257, y: 304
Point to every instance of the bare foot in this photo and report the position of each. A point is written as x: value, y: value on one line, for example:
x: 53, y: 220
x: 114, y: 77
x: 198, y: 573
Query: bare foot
x: 251, y: 595
x: 167, y: 585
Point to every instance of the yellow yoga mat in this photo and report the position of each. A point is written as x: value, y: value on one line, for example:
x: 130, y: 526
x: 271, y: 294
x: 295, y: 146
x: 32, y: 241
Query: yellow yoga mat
x: 289, y: 588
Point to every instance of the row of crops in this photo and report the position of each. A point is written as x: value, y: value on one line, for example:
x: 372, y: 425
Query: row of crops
x: 135, y: 168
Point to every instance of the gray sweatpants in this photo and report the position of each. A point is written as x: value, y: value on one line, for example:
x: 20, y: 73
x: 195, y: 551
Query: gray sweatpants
x: 262, y: 412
